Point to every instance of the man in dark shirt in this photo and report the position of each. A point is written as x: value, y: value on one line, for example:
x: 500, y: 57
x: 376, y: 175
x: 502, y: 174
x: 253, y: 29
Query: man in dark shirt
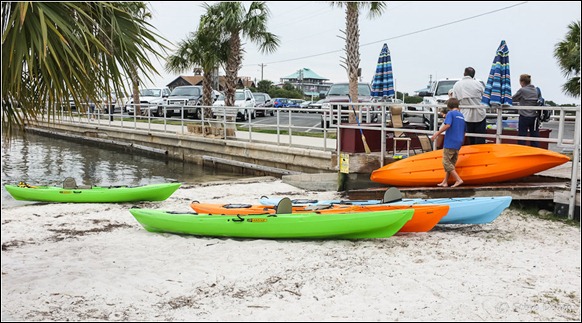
x: 527, y: 95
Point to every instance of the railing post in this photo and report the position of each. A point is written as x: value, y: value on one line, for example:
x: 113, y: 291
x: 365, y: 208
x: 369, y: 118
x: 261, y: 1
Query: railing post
x: 182, y: 113
x: 278, y: 128
x: 202, y: 120
x: 383, y: 135
x: 250, y: 120
x: 499, y: 125
x: 290, y: 125
x: 324, y: 128
x: 575, y: 161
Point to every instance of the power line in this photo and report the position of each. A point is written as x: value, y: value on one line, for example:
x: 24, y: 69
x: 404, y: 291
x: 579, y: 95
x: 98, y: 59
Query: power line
x: 404, y: 35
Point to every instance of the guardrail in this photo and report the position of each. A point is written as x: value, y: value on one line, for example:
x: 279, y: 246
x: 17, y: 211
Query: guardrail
x: 376, y: 113
x: 369, y: 113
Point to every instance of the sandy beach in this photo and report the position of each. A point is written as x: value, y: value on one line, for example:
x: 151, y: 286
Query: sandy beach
x: 95, y: 262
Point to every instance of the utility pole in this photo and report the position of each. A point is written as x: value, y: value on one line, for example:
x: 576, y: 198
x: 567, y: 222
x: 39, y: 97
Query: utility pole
x: 300, y: 80
x: 262, y: 66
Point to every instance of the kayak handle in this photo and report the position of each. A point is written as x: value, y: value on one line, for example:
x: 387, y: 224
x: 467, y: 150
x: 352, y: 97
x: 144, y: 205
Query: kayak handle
x: 238, y: 219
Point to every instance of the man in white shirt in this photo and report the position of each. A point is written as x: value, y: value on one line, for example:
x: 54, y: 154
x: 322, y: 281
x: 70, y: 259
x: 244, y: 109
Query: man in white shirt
x: 469, y: 92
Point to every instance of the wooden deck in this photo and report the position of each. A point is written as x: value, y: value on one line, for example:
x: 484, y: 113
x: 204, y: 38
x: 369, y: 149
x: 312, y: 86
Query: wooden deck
x: 551, y: 186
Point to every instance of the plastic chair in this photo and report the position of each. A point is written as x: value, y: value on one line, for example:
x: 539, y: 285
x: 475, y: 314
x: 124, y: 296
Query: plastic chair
x: 397, y: 122
x: 425, y: 143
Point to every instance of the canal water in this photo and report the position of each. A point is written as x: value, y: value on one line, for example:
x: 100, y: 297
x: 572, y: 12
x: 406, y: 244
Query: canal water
x: 41, y: 160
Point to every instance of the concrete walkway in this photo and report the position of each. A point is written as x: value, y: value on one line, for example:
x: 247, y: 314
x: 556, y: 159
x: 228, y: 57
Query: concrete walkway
x: 317, y: 143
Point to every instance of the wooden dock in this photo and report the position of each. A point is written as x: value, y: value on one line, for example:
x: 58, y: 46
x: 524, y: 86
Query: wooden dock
x: 552, y: 186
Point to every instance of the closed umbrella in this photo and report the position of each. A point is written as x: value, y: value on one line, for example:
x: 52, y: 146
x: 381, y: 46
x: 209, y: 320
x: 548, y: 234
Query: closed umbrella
x: 498, y: 89
x: 383, y: 81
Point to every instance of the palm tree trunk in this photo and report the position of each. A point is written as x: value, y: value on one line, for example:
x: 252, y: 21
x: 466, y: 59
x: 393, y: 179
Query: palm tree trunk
x: 352, y: 50
x: 207, y: 94
x: 232, y: 66
x: 135, y: 91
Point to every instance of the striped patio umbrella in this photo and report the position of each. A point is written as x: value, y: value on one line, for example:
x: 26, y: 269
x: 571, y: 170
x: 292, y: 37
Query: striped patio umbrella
x: 383, y: 82
x: 498, y: 88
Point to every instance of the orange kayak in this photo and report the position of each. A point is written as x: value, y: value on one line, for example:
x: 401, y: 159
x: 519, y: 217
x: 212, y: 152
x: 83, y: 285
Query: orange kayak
x: 477, y: 164
x: 235, y: 209
x: 424, y: 219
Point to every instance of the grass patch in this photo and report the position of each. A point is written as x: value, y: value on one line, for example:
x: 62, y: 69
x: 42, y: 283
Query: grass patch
x: 286, y: 132
x: 239, y: 127
x: 533, y: 208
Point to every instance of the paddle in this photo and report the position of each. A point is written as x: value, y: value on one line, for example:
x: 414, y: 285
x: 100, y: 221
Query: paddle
x: 366, y: 147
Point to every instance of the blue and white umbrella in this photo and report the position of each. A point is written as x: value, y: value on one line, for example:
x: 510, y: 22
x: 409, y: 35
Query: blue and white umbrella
x: 383, y: 82
x: 498, y: 88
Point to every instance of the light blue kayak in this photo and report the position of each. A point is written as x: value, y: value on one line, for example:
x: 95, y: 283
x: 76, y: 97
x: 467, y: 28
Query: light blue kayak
x: 463, y: 210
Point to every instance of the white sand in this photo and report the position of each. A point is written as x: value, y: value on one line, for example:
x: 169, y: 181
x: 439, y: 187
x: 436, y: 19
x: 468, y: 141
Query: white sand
x: 94, y: 262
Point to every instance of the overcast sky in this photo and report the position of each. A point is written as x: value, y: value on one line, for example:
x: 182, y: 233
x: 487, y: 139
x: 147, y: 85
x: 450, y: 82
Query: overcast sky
x: 425, y: 39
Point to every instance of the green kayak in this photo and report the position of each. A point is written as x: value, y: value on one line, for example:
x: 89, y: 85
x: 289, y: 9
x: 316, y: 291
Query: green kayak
x: 95, y: 194
x: 357, y: 225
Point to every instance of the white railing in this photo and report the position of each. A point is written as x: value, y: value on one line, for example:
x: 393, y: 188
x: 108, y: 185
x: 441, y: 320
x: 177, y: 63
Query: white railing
x: 375, y: 116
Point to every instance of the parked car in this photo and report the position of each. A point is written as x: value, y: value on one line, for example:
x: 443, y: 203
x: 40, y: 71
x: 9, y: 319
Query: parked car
x: 280, y: 102
x: 244, y: 100
x: 151, y: 101
x: 72, y: 104
x: 337, y: 97
x: 187, y: 98
x: 305, y: 106
x: 294, y: 103
x: 263, y: 100
x: 85, y: 105
x: 219, y: 101
x: 316, y: 105
x: 436, y: 96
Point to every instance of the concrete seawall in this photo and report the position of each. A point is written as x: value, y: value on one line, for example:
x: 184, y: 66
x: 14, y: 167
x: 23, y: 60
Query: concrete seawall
x: 195, y: 148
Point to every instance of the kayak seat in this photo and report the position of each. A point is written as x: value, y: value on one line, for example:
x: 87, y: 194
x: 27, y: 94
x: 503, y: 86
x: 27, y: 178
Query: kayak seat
x: 392, y: 195
x: 285, y: 206
x: 69, y: 183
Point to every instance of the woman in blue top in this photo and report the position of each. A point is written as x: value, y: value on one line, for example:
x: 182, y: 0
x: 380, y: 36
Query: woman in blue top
x: 455, y: 127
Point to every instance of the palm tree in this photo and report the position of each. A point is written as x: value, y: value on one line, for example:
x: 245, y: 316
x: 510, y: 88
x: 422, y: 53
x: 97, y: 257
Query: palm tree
x: 203, y: 49
x: 140, y: 10
x: 352, y: 37
x: 264, y: 86
x: 568, y: 54
x: 234, y: 23
x: 53, y: 50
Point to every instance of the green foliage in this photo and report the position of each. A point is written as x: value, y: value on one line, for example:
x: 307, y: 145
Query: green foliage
x: 53, y: 50
x: 287, y: 91
x: 407, y: 98
x: 235, y: 23
x: 204, y: 48
x: 567, y: 52
x: 413, y: 99
x: 264, y: 86
x: 276, y: 92
x: 288, y: 86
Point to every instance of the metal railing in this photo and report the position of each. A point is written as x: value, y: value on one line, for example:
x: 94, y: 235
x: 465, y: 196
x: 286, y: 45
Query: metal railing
x: 375, y: 116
